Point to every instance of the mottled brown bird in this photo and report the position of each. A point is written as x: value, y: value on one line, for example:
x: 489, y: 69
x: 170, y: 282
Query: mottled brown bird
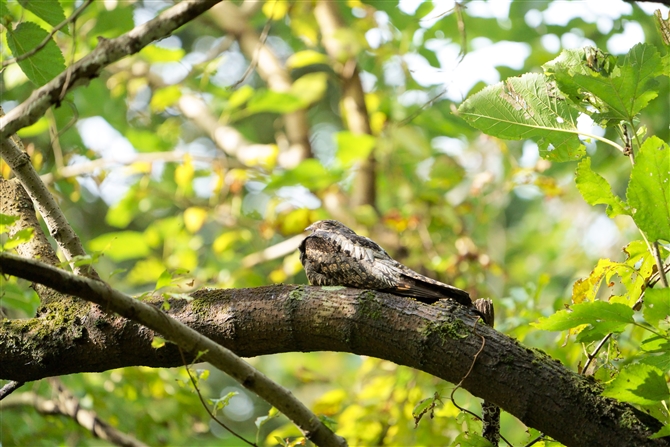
x: 333, y: 255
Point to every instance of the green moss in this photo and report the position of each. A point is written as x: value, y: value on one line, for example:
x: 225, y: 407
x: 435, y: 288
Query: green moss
x: 368, y: 306
x: 451, y: 329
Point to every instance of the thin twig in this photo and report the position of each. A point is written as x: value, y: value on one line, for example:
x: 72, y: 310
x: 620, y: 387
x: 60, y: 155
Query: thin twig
x: 10, y: 388
x: 472, y: 365
x: 257, y: 52
x: 46, y: 40
x: 204, y: 404
x: 659, y: 264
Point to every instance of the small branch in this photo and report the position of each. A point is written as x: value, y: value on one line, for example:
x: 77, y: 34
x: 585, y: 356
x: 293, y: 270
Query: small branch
x: 9, y: 388
x: 659, y: 264
x: 191, y: 341
x: 90, y: 66
x: 66, y: 404
x: 46, y: 40
x: 276, y: 251
x: 11, y: 150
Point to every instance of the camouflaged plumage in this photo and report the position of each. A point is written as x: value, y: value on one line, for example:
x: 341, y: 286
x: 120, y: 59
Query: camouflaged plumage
x: 333, y: 255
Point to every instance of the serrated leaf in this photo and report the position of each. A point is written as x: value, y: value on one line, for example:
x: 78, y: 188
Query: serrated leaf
x: 50, y: 11
x: 46, y: 63
x: 527, y: 107
x: 588, y: 313
x: 638, y: 384
x: 352, y: 147
x: 595, y: 189
x: 649, y: 189
x: 656, y: 305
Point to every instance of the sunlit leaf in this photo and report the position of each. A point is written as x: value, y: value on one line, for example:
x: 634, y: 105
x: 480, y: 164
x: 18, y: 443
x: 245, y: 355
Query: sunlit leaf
x: 50, y: 11
x: 273, y: 101
x: 305, y: 58
x: 649, y: 189
x: 46, y: 63
x: 588, y: 313
x: 527, y: 107
x: 638, y: 384
x: 596, y: 190
x: 656, y: 305
x: 194, y: 218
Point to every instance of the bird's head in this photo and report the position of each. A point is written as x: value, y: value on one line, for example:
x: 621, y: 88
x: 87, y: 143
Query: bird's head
x: 330, y: 225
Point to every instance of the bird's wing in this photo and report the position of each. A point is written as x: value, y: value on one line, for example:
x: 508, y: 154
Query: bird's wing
x: 358, y: 247
x: 411, y: 283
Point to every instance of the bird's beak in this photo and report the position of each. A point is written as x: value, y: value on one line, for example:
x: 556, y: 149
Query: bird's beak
x: 310, y: 228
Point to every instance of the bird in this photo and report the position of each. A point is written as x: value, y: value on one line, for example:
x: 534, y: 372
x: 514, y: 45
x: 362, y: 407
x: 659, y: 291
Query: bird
x: 334, y: 255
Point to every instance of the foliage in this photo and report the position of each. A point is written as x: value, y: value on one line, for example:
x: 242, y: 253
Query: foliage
x: 160, y: 194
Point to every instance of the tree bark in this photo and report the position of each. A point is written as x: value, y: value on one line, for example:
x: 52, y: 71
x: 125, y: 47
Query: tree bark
x: 441, y: 340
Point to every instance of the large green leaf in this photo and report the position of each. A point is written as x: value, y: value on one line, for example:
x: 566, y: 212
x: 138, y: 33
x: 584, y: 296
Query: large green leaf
x: 46, y: 63
x: 588, y: 313
x: 50, y: 11
x: 620, y: 91
x: 639, y: 384
x: 656, y: 305
x: 596, y: 190
x: 649, y: 189
x: 527, y: 107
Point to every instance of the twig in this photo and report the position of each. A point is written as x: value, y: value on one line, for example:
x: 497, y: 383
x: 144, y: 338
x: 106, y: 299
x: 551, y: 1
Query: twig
x: 204, y: 404
x: 594, y: 354
x: 180, y: 334
x: 9, y: 388
x: 46, y: 40
x: 254, y: 60
x: 276, y: 251
x: 659, y: 264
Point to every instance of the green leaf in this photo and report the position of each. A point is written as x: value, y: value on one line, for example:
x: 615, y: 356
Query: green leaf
x: 649, y: 189
x: 588, y: 313
x: 272, y: 101
x: 20, y: 237
x: 656, y: 305
x: 7, y: 220
x: 353, y: 147
x: 164, y: 280
x: 527, y: 107
x: 596, y: 190
x: 310, y: 88
x: 121, y: 245
x: 638, y: 384
x: 50, y: 11
x: 157, y: 342
x: 46, y: 63
x: 155, y: 53
x: 309, y: 173
x: 305, y: 58
x: 165, y: 97
x: 663, y: 432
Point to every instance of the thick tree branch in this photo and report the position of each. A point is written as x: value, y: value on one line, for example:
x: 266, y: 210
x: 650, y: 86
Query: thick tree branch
x: 66, y: 404
x: 353, y: 97
x: 438, y: 339
x: 177, y: 332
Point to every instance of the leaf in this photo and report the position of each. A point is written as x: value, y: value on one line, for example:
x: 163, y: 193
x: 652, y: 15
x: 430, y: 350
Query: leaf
x: 157, y: 342
x: 194, y: 218
x: 155, y: 53
x: 649, y: 189
x: 588, y: 313
x: 164, y: 280
x: 305, y: 58
x: 20, y: 237
x: 7, y: 220
x: 665, y: 431
x: 586, y: 289
x: 638, y: 384
x: 527, y: 107
x: 164, y: 98
x: 656, y: 305
x: 122, y: 245
x: 309, y: 173
x: 595, y: 189
x: 46, y: 63
x: 272, y: 101
x: 352, y: 147
x: 310, y: 88
x: 50, y: 11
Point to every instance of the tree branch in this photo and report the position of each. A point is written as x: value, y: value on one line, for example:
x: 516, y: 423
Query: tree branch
x: 177, y: 332
x: 66, y: 404
x: 437, y: 339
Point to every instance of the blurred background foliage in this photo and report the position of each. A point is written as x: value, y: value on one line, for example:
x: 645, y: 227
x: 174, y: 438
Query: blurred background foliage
x: 179, y: 159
